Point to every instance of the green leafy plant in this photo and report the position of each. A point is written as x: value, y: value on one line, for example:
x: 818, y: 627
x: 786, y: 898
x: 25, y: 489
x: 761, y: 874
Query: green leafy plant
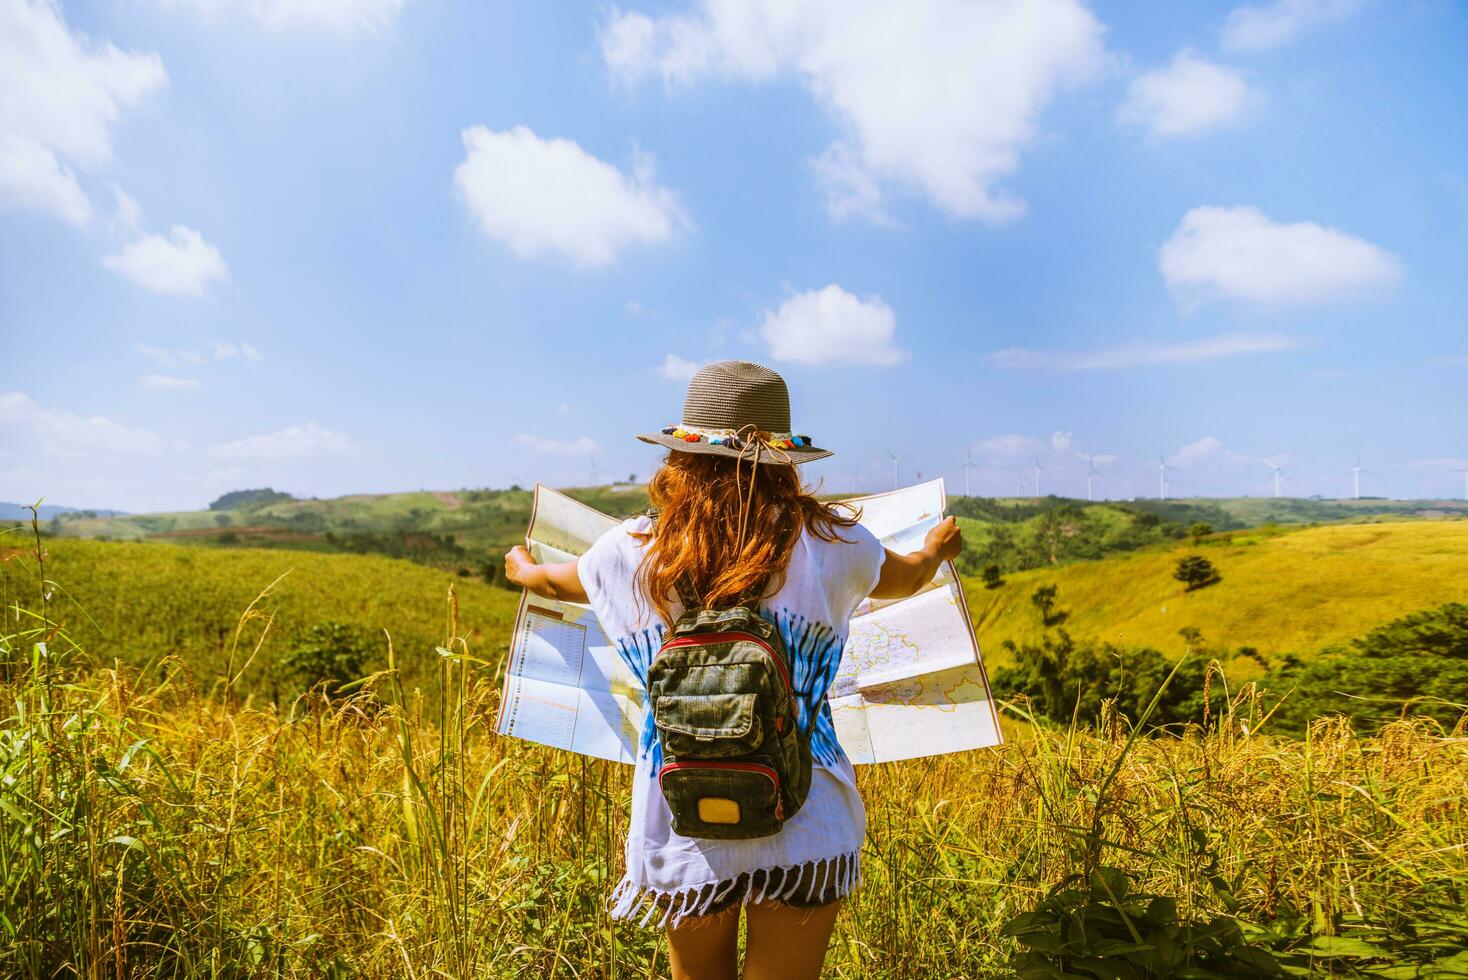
x: 1101, y: 926
x: 1044, y: 599
x: 332, y: 656
x: 1195, y: 572
x: 992, y: 576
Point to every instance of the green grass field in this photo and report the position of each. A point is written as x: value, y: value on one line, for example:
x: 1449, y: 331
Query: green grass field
x: 1296, y: 591
x: 139, y: 602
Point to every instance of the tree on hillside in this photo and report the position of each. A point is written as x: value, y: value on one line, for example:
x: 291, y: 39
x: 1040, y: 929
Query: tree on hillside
x: 1044, y: 599
x: 1060, y: 674
x: 1199, y: 530
x: 1415, y: 665
x: 1195, y: 572
x: 993, y: 577
x: 1056, y: 529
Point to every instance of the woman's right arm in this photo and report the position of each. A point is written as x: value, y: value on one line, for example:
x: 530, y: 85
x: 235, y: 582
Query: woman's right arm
x: 557, y: 581
x: 903, y: 575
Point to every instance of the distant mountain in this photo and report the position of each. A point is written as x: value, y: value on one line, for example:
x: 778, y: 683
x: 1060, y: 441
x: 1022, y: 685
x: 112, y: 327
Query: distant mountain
x: 20, y: 512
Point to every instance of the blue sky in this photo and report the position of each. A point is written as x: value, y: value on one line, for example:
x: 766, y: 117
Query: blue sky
x: 339, y: 246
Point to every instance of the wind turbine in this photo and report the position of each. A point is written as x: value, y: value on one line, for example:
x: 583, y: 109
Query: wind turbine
x: 1162, y: 469
x: 1278, y: 476
x: 1038, y: 470
x: 968, y: 469
x: 593, y: 472
x: 1091, y: 474
x: 897, y: 468
x: 1356, y: 472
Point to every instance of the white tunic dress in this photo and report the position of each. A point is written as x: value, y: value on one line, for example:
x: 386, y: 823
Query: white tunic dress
x: 816, y: 855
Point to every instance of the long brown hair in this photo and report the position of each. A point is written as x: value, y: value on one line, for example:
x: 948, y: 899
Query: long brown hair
x: 701, y: 501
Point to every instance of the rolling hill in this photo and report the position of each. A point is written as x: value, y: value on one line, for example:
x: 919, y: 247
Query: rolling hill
x: 1281, y: 591
x: 1291, y: 591
x: 467, y: 530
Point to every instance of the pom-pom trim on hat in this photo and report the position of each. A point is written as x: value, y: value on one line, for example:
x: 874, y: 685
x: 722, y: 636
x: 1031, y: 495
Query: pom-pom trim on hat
x: 734, y: 440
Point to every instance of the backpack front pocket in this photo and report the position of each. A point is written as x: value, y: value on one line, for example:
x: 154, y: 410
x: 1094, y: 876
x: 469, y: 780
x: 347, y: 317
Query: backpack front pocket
x: 723, y: 800
x: 708, y: 725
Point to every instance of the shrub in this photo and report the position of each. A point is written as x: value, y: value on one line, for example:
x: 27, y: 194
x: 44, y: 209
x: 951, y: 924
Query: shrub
x: 1199, y: 530
x: 1061, y: 674
x: 992, y: 576
x: 1195, y: 572
x: 1043, y: 599
x: 1417, y: 664
x: 332, y: 655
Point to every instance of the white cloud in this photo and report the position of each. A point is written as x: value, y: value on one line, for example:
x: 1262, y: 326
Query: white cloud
x: 295, y: 442
x: 60, y: 96
x: 1239, y: 253
x: 169, y: 382
x: 225, y: 349
x: 583, y: 446
x: 174, y: 358
x: 634, y: 308
x: 344, y: 17
x: 1254, y: 28
x: 170, y: 357
x: 539, y: 196
x: 940, y: 100
x: 32, y: 179
x: 1061, y: 442
x: 677, y: 368
x: 183, y: 264
x: 1190, y: 95
x: 1140, y: 355
x: 1010, y: 444
x: 127, y: 212
x: 66, y: 433
x: 1204, y: 449
x: 831, y: 326
x: 851, y: 190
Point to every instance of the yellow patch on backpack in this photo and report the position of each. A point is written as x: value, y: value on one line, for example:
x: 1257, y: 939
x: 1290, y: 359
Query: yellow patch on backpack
x: 716, y: 809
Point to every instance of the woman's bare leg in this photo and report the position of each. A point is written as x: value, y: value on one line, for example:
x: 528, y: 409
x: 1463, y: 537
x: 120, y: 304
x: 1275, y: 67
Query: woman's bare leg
x: 787, y: 943
x: 706, y: 948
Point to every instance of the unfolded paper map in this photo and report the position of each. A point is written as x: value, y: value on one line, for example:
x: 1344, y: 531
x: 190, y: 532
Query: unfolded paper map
x: 911, y: 681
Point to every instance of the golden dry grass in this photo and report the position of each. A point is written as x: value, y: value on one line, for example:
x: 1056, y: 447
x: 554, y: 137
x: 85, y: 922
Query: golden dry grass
x: 1291, y: 592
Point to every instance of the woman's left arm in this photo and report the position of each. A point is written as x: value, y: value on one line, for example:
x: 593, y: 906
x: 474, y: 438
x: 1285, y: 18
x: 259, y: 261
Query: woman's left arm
x: 559, y: 581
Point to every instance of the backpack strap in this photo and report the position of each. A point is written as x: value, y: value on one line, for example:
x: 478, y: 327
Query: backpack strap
x: 687, y: 594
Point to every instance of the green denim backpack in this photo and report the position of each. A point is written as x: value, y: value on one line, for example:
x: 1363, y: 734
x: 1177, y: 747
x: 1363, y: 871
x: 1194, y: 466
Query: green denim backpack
x: 735, y: 764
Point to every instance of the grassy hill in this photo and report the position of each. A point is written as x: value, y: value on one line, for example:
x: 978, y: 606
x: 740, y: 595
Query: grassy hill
x: 140, y: 602
x: 467, y: 530
x: 1281, y: 591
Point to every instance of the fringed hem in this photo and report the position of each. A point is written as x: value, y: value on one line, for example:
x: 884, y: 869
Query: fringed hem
x: 807, y: 885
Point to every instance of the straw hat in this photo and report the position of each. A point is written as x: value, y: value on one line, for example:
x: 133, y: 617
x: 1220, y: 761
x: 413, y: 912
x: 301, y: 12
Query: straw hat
x: 735, y: 408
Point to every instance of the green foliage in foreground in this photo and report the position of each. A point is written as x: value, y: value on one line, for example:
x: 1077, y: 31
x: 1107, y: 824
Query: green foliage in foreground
x: 1415, y: 666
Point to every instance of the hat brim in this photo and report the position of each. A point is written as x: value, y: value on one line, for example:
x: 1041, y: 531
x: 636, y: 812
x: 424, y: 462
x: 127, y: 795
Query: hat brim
x: 795, y: 455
